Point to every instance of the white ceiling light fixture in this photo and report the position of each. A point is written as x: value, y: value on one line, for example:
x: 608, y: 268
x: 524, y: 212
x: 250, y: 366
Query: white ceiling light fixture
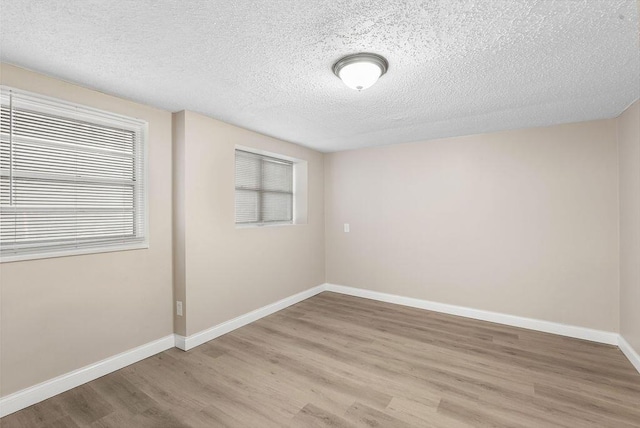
x: 360, y: 71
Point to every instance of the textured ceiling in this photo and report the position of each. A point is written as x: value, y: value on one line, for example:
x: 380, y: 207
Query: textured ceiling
x: 456, y: 66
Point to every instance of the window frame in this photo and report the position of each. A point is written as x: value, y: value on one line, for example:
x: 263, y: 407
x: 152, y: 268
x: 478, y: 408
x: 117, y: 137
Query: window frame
x: 294, y: 192
x: 76, y: 111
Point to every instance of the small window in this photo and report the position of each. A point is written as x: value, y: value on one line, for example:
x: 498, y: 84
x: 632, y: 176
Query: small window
x: 72, y: 179
x: 264, y: 189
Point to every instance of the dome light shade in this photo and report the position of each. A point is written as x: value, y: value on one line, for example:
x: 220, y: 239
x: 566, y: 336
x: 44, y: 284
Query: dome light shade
x: 360, y: 71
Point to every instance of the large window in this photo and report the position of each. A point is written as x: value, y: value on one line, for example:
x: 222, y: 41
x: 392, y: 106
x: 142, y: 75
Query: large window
x: 72, y: 179
x: 264, y: 189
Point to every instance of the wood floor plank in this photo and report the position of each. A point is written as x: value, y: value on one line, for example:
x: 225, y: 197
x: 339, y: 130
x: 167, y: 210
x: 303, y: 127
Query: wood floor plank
x: 475, y: 416
x: 589, y: 404
x: 157, y: 418
x: 313, y: 416
x: 213, y: 416
x: 342, y: 361
x: 122, y: 394
x: 84, y: 405
x: 418, y: 414
x: 364, y: 416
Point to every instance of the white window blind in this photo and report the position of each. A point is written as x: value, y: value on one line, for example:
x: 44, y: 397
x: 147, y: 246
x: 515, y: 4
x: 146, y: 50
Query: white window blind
x: 264, y: 189
x: 72, y: 178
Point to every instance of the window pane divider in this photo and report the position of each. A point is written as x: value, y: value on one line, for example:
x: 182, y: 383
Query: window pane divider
x: 264, y: 189
x: 253, y: 189
x: 59, y: 210
x: 85, y: 179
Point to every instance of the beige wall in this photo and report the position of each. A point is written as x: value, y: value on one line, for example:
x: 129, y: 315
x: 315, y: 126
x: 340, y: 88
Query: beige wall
x: 230, y: 271
x: 629, y: 153
x: 60, y: 314
x: 179, y: 258
x: 520, y: 222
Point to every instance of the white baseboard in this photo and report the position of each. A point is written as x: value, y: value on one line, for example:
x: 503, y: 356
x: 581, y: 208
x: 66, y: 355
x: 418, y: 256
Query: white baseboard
x: 32, y: 395
x: 190, y: 342
x: 600, y: 336
x: 629, y: 352
x: 37, y: 393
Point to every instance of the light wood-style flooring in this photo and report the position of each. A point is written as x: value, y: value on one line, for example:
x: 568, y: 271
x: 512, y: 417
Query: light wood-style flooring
x: 341, y: 361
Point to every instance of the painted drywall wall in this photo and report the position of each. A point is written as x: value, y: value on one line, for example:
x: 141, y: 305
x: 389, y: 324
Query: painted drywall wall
x: 61, y: 314
x: 629, y: 155
x: 230, y: 271
x: 520, y: 222
x: 179, y: 226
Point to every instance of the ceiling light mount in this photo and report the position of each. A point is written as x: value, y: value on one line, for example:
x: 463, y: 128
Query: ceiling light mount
x: 360, y: 71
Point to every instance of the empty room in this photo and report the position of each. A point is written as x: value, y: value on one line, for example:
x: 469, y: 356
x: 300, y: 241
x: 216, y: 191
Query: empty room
x: 330, y: 213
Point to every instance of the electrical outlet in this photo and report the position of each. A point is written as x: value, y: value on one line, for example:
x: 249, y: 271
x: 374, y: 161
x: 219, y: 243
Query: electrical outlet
x: 346, y: 228
x: 179, y: 308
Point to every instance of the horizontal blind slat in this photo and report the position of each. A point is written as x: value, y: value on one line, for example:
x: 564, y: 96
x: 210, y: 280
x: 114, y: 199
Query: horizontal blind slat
x: 264, y: 188
x: 77, y: 181
x: 29, y: 123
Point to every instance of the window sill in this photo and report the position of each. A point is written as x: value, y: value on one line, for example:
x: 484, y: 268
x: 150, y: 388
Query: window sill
x: 263, y: 225
x: 73, y: 252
